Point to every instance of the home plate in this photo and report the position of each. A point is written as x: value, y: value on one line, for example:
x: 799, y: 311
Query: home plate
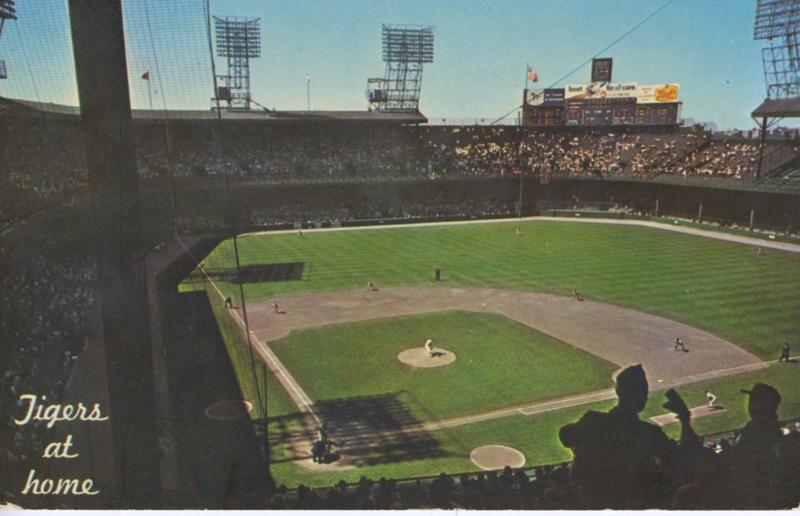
x: 702, y: 411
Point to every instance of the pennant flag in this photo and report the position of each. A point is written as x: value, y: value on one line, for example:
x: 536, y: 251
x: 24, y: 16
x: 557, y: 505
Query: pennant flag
x: 532, y: 75
x: 146, y: 76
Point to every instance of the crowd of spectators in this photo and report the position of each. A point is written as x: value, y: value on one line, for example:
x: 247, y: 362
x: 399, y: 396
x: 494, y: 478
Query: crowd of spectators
x: 287, y: 156
x: 721, y: 158
x: 40, y: 161
x: 43, y: 161
x: 46, y: 299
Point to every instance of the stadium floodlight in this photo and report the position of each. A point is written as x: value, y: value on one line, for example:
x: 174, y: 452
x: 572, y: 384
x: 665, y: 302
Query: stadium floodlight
x: 776, y: 18
x: 407, y: 43
x: 779, y: 20
x: 238, y: 40
x: 7, y: 12
x: 405, y: 48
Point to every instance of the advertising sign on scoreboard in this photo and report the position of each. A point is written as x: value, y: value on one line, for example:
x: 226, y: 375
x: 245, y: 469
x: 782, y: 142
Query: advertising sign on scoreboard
x: 656, y: 93
x: 601, y: 69
x: 539, y: 96
x: 554, y: 96
x: 601, y: 90
x: 534, y: 96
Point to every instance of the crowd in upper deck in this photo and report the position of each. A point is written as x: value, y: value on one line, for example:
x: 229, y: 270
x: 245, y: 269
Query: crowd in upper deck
x: 43, y: 159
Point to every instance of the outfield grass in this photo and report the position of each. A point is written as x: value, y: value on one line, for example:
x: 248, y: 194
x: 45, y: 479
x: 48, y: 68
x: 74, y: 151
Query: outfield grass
x: 499, y: 363
x: 721, y: 287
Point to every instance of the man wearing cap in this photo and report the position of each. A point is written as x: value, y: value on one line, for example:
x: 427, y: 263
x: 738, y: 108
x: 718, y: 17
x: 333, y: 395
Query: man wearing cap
x: 763, y: 431
x: 620, y: 461
x: 753, y: 464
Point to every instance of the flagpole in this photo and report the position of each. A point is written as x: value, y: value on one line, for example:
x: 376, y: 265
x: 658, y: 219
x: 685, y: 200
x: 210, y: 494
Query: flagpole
x: 308, y: 92
x: 527, y: 67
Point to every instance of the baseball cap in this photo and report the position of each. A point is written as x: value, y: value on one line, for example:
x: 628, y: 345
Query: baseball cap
x: 764, y: 395
x: 632, y: 376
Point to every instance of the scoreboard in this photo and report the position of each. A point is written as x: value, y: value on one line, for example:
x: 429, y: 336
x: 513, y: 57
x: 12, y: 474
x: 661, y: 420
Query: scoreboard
x: 602, y: 104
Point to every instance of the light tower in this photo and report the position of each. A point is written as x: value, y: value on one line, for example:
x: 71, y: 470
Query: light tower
x: 405, y: 49
x: 779, y: 22
x: 238, y: 40
x: 7, y: 12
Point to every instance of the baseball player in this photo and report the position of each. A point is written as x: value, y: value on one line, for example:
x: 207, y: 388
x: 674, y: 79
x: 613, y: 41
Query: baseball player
x: 679, y: 345
x: 785, y: 353
x: 712, y: 400
x: 429, y: 347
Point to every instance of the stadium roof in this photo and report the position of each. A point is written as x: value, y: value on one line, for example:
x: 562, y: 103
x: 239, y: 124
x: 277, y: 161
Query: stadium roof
x: 778, y: 108
x: 19, y: 107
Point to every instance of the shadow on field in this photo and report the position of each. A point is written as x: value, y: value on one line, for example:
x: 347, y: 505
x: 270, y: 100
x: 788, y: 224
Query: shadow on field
x: 219, y: 461
x: 257, y: 273
x: 366, y: 430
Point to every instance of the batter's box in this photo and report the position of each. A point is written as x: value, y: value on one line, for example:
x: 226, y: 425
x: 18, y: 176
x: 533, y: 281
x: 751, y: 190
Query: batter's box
x: 268, y: 272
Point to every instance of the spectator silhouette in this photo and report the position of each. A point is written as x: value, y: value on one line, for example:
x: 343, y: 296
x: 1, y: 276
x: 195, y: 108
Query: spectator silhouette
x: 621, y: 461
x: 753, y: 462
x: 763, y: 431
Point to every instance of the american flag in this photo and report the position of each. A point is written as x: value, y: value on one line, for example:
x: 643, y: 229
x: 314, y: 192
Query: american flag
x: 532, y: 75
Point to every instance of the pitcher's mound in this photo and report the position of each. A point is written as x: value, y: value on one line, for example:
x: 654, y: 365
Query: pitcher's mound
x: 496, y: 456
x: 232, y: 409
x: 418, y: 357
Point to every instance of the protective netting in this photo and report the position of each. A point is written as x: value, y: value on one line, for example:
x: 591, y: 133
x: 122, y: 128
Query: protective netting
x: 49, y: 301
x: 169, y: 60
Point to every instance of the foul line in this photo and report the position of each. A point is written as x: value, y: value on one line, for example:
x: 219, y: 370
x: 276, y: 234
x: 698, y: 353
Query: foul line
x: 292, y: 387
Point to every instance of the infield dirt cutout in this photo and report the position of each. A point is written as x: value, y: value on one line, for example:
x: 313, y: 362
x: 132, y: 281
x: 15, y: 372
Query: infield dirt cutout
x: 420, y: 357
x: 623, y: 336
x: 496, y: 456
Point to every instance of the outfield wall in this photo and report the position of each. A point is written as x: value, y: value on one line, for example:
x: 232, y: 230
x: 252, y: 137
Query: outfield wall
x: 203, y: 207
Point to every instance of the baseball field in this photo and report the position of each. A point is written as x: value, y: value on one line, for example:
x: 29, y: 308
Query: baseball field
x: 517, y: 355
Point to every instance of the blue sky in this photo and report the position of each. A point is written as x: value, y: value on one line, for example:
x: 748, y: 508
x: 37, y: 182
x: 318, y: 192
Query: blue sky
x: 482, y: 47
